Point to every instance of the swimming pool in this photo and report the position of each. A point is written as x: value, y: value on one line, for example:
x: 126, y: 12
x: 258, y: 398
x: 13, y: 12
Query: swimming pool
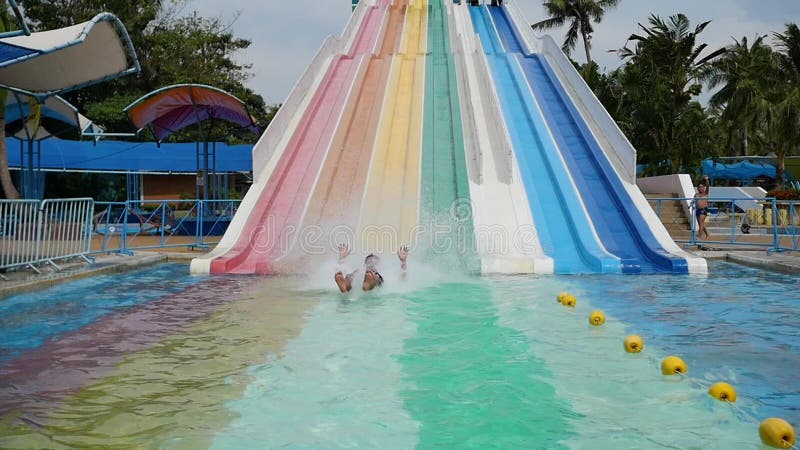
x: 435, y: 362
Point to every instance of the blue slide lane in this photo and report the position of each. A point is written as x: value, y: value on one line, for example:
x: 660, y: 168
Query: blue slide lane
x: 622, y: 229
x: 562, y: 225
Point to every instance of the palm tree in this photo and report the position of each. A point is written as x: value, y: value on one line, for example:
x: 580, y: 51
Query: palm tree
x: 660, y: 83
x: 788, y: 108
x: 580, y: 14
x: 748, y: 75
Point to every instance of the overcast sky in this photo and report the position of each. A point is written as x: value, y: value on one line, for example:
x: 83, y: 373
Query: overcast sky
x: 287, y: 34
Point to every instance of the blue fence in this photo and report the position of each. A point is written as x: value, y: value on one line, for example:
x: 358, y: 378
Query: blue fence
x: 122, y: 227
x: 765, y: 223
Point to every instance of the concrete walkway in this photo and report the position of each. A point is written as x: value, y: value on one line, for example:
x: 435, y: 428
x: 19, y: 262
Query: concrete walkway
x: 788, y: 262
x: 27, y: 280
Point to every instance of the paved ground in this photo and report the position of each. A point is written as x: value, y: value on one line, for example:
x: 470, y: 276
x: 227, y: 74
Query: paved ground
x: 782, y: 262
x: 27, y: 280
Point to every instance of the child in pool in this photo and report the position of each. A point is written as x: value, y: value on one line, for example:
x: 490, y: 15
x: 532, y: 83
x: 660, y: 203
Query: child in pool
x: 372, y: 278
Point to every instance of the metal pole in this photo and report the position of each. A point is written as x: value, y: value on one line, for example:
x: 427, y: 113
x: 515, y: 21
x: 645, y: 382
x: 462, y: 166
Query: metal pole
x: 197, y: 164
x: 28, y: 178
x: 694, y: 223
x: 205, y: 169
x: 777, y: 240
x: 733, y: 221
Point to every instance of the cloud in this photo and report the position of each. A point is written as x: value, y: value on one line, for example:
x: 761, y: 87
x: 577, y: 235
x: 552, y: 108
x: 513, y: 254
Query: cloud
x: 728, y: 19
x: 287, y: 34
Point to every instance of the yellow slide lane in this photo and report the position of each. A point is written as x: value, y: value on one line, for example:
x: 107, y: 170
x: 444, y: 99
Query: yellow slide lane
x: 391, y: 201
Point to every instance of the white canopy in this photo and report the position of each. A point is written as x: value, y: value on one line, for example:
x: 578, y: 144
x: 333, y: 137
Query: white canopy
x: 50, y: 62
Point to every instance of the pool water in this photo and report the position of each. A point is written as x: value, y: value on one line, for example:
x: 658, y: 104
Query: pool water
x: 160, y: 359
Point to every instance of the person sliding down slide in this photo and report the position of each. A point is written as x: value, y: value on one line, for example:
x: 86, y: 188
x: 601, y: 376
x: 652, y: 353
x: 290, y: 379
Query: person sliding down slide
x: 372, y: 278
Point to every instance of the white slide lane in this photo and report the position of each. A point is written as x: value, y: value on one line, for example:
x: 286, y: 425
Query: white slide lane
x: 505, y: 233
x: 272, y: 143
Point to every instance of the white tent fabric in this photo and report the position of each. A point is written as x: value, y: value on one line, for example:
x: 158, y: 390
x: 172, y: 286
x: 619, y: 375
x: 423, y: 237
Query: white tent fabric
x: 17, y: 108
x: 47, y: 63
x: 28, y: 134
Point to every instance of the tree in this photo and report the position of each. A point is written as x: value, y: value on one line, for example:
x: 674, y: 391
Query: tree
x: 580, y: 14
x: 660, y: 83
x: 9, y: 191
x: 748, y: 75
x: 788, y: 109
x: 172, y: 47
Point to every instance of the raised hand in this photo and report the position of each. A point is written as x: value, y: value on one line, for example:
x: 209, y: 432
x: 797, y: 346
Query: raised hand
x: 344, y: 251
x: 402, y: 253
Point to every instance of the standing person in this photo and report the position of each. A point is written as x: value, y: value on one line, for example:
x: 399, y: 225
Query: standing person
x: 372, y: 278
x: 701, y: 208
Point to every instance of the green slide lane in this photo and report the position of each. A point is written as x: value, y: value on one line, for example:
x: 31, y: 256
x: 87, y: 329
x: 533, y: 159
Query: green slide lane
x: 445, y: 189
x: 472, y: 381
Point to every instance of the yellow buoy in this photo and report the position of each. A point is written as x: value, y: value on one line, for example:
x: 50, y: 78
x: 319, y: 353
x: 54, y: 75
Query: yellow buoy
x: 777, y: 433
x: 597, y: 318
x: 561, y: 296
x: 723, y: 391
x: 634, y: 344
x: 672, y: 365
x: 569, y: 300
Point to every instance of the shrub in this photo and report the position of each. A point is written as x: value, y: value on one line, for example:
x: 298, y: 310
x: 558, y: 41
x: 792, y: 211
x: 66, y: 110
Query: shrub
x: 784, y: 195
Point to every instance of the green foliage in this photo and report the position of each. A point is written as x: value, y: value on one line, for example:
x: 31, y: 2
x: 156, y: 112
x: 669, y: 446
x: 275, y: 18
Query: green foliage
x: 580, y: 14
x: 654, y: 95
x: 172, y: 48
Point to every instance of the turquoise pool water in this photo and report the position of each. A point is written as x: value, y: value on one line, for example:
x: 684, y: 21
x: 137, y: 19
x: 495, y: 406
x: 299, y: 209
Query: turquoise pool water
x: 434, y: 362
x: 28, y: 320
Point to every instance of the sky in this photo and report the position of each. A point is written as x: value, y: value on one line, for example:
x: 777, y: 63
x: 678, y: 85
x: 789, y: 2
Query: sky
x: 286, y: 34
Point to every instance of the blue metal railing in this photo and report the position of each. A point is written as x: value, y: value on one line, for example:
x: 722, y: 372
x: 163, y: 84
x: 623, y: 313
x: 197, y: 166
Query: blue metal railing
x: 122, y: 227
x: 774, y: 225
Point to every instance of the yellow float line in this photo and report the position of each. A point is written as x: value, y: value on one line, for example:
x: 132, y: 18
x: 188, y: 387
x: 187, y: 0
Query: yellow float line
x: 391, y: 201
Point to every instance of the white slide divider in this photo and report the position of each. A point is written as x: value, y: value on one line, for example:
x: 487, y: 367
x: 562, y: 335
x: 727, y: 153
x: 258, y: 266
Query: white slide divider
x: 347, y: 111
x: 524, y: 32
x: 505, y: 232
x: 270, y: 146
x: 615, y: 145
x: 471, y: 140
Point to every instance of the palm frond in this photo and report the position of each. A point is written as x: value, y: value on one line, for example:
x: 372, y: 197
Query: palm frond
x: 548, y: 24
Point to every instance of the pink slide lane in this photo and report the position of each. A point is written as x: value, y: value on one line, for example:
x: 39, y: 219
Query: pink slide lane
x: 269, y: 229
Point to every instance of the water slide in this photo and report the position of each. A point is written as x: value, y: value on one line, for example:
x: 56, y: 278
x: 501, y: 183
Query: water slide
x: 445, y: 186
x: 419, y: 111
x: 619, y: 222
x: 562, y: 222
x: 505, y: 235
x: 286, y: 170
x: 390, y: 207
x: 336, y: 201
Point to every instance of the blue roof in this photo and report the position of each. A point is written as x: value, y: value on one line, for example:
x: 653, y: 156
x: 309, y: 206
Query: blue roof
x: 738, y: 171
x: 118, y: 156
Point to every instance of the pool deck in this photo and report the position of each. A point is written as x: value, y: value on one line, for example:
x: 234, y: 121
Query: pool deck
x: 788, y: 262
x: 27, y: 280
x: 23, y: 281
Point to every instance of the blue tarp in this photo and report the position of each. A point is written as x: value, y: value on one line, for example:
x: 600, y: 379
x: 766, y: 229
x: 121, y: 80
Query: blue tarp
x: 738, y: 171
x: 120, y: 156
